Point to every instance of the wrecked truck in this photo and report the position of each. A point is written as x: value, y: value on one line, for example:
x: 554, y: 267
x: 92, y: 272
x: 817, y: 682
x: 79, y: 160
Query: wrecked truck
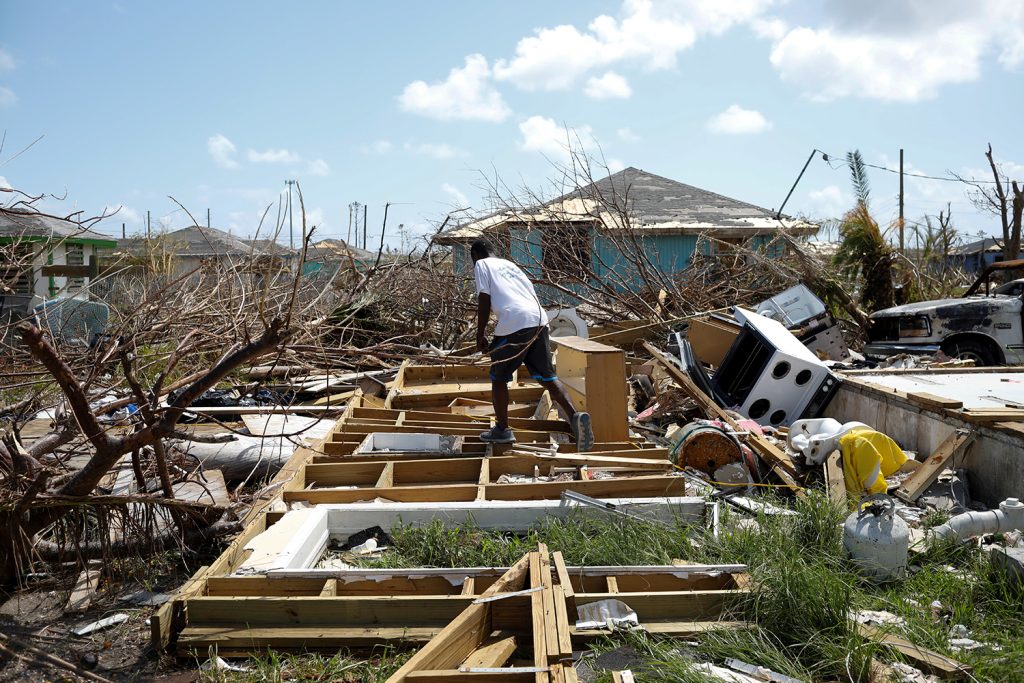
x: 984, y: 325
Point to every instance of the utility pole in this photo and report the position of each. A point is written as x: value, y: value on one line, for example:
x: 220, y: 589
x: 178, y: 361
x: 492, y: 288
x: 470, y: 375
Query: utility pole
x: 348, y: 235
x: 207, y: 218
x: 901, y: 200
x: 364, y: 226
x: 291, y: 235
x: 123, y: 232
x: 148, y: 228
x: 354, y: 223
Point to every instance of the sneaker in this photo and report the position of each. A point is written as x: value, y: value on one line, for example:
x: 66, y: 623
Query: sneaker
x: 581, y: 431
x: 498, y: 435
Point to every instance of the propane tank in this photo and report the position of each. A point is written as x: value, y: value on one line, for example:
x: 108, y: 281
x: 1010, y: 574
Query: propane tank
x: 877, y: 539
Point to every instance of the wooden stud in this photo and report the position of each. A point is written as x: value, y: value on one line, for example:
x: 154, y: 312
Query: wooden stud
x: 928, y: 472
x: 493, y: 652
x: 835, y: 480
x: 386, y: 478
x: 241, y: 640
x: 929, y: 661
x: 933, y: 401
x: 625, y: 487
x: 564, y: 580
x: 455, y: 676
x: 483, y: 479
x: 562, y: 624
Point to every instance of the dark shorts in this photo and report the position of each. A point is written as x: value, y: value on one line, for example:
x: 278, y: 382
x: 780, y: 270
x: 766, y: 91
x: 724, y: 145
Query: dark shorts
x: 530, y: 346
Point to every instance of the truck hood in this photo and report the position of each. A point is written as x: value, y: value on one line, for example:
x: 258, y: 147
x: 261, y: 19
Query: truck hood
x: 943, y: 307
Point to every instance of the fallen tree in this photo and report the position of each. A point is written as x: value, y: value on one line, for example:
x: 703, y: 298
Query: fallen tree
x: 173, y: 334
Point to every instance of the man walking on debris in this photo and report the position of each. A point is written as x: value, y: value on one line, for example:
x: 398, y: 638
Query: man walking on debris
x: 521, y: 336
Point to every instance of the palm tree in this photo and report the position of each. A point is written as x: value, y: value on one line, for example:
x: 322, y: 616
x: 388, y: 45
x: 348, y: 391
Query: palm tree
x: 864, y: 252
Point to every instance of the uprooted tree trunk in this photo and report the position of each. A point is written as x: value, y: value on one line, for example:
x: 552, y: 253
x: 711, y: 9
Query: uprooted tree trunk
x: 20, y: 523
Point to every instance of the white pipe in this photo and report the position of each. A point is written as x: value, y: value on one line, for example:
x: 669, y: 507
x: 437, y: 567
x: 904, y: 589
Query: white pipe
x: 1008, y: 517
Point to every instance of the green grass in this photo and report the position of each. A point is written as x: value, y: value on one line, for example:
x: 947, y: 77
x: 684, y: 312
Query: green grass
x: 582, y: 540
x: 343, y: 667
x: 802, y: 592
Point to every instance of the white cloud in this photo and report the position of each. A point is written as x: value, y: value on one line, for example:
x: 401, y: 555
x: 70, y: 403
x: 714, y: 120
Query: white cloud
x: 437, y: 151
x: 4, y: 185
x: 651, y: 34
x: 736, y: 120
x: 900, y: 50
x: 627, y: 135
x: 6, y: 60
x: 274, y: 156
x: 123, y: 214
x: 7, y: 97
x: 542, y: 134
x: 222, y: 150
x: 828, y: 202
x: 609, y: 86
x: 461, y: 200
x: 467, y: 94
x: 318, y: 167
x: 771, y: 28
x: 615, y: 165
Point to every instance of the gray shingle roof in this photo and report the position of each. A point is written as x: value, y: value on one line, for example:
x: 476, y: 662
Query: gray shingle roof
x: 200, y: 241
x: 333, y: 250
x: 656, y: 199
x: 18, y: 223
x: 988, y: 244
x: 653, y: 202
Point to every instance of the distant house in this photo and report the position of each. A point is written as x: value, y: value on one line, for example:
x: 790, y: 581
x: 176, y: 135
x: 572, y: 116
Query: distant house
x: 194, y: 247
x: 975, y: 256
x: 326, y: 257
x: 662, y: 217
x: 31, y: 241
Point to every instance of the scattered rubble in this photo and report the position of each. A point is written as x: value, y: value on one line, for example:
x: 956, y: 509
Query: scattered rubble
x: 310, y: 446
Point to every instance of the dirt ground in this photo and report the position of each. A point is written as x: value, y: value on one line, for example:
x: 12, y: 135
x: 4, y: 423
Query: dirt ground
x: 35, y: 616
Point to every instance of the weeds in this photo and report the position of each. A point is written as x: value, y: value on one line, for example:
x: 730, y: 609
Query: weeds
x: 342, y: 667
x: 583, y: 540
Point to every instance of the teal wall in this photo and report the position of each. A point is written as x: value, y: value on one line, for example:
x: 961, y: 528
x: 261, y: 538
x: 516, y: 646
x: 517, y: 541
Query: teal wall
x: 527, y: 251
x: 460, y: 259
x: 667, y: 253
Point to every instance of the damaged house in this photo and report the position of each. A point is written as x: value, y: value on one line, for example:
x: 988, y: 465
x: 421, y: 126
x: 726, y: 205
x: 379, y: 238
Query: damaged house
x: 617, y: 227
x: 194, y: 247
x: 32, y: 241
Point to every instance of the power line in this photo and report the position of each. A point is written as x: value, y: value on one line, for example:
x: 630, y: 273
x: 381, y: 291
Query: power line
x: 828, y: 158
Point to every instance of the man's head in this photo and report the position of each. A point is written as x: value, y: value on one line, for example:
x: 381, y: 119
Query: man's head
x: 479, y: 249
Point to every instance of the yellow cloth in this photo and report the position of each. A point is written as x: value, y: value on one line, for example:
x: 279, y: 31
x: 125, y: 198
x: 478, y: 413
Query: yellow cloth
x: 868, y: 457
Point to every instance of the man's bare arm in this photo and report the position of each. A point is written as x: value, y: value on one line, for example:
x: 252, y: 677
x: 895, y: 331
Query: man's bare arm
x: 483, y: 314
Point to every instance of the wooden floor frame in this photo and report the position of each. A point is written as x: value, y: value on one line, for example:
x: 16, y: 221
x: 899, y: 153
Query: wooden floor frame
x: 238, y: 614
x: 358, y: 609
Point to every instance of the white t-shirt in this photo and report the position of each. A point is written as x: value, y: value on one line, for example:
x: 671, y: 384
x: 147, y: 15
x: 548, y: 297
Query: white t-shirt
x: 513, y: 298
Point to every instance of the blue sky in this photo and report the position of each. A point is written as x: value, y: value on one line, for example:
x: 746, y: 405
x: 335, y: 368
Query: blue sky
x: 216, y: 104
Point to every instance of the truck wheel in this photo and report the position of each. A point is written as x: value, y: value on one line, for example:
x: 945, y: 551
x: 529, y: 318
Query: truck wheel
x: 970, y: 349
